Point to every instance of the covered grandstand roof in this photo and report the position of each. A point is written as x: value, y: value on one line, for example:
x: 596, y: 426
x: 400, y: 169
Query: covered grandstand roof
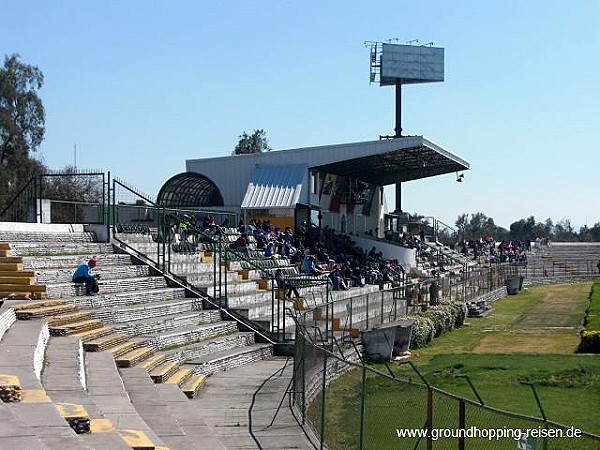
x: 189, y: 190
x: 274, y: 187
x: 381, y: 162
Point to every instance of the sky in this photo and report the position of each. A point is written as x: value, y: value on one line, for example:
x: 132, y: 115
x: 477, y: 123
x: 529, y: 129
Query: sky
x: 138, y: 87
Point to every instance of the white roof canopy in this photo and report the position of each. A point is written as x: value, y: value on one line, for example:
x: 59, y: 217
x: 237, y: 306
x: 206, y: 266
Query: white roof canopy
x: 274, y: 187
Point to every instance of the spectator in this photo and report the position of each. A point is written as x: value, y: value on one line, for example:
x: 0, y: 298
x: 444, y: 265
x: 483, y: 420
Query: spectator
x: 85, y: 274
x: 337, y: 280
x: 287, y: 288
x: 241, y: 244
x: 309, y: 266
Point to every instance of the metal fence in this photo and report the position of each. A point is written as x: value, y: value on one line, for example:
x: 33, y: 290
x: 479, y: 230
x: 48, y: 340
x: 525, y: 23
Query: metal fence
x: 73, y: 197
x: 371, y: 409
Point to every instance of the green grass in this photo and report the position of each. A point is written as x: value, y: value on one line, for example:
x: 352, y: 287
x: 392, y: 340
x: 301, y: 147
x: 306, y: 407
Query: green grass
x: 530, y: 338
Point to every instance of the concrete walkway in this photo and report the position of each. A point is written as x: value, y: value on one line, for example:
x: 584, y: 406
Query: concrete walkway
x: 227, y: 399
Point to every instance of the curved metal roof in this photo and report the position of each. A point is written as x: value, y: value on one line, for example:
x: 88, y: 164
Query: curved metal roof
x: 189, y: 189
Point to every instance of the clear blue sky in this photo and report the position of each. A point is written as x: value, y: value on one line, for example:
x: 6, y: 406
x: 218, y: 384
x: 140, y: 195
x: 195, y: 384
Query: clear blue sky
x: 142, y: 86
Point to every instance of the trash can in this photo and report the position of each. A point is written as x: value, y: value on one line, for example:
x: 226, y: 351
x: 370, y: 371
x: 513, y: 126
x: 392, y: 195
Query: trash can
x: 512, y: 284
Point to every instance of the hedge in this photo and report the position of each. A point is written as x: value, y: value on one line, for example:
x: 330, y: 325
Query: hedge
x: 436, y: 321
x: 590, y: 337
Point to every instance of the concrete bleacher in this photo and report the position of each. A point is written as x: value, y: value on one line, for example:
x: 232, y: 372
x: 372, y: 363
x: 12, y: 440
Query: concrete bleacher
x: 566, y: 261
x: 143, y: 333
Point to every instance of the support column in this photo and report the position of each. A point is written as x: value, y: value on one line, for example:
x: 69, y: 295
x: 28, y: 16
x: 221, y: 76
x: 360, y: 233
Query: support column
x: 398, y: 128
x: 398, y: 197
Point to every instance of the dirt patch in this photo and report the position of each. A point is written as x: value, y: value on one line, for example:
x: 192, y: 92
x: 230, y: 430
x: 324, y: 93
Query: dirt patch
x: 560, y: 341
x: 561, y: 306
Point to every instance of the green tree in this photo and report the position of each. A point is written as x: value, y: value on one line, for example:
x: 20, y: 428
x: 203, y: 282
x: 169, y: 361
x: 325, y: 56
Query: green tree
x: 22, y: 124
x: 73, y: 192
x: 254, y: 143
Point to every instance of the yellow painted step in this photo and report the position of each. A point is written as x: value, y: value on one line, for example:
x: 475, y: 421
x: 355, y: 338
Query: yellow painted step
x: 131, y: 358
x: 137, y: 439
x: 63, y: 319
x: 34, y: 396
x: 152, y: 362
x: 11, y: 266
x: 122, y: 348
x: 193, y: 385
x: 10, y: 388
x: 76, y: 416
x: 18, y: 273
x: 75, y: 327
x: 101, y: 425
x: 162, y: 372
x: 96, y: 333
x: 16, y: 280
x: 102, y: 343
x: 11, y: 259
x: 11, y: 287
x: 25, y: 314
x: 179, y: 377
x: 38, y: 304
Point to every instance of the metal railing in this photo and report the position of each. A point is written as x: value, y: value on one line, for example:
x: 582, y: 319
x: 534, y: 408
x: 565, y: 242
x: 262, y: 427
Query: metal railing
x: 382, y: 410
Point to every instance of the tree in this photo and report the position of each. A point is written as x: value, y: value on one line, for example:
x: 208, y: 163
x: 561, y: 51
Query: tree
x: 73, y: 192
x: 255, y: 143
x: 22, y: 124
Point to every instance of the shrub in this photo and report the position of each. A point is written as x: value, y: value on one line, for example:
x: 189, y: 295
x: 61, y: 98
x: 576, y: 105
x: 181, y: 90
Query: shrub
x: 423, y: 331
x: 590, y: 342
x: 590, y: 337
x: 436, y: 321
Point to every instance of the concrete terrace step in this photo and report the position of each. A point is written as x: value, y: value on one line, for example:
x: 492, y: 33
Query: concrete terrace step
x: 214, y: 345
x: 228, y: 359
x: 109, y: 286
x: 70, y: 262
x: 122, y: 299
x: 152, y: 309
x: 116, y: 270
x: 106, y: 389
x: 49, y: 249
x: 179, y: 425
x: 237, y: 288
x: 190, y: 334
x: 167, y: 322
x: 34, y: 236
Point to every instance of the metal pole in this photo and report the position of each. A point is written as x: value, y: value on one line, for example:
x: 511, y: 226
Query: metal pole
x: 323, y: 387
x: 398, y: 128
x: 461, y: 423
x: 362, y: 407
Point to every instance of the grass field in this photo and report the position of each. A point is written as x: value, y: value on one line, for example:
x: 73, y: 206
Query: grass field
x: 530, y: 337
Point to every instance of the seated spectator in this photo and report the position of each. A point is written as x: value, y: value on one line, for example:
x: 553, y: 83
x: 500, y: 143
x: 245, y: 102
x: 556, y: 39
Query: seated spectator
x: 85, y: 274
x: 241, y: 244
x: 336, y: 279
x: 352, y: 275
x: 309, y: 266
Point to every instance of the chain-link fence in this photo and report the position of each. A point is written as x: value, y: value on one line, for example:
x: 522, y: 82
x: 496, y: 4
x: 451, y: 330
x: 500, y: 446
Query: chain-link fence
x: 371, y: 409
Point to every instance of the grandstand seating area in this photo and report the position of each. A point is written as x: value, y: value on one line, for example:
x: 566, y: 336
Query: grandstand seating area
x: 116, y: 370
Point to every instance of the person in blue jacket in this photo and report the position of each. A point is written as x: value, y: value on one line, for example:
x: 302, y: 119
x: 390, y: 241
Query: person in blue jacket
x: 85, y: 274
